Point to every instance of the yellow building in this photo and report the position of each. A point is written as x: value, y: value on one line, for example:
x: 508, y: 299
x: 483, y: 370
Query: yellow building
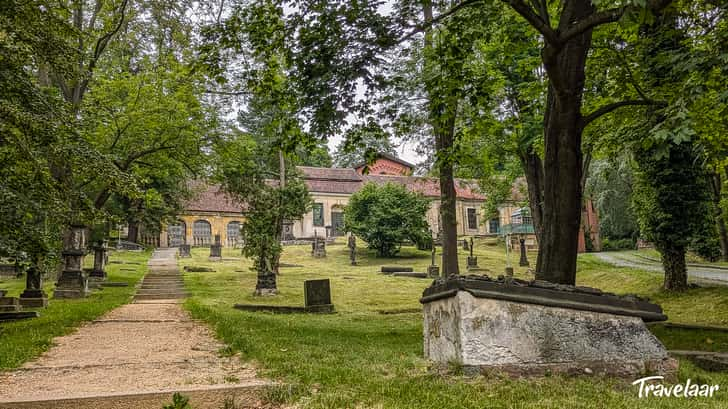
x: 213, y: 213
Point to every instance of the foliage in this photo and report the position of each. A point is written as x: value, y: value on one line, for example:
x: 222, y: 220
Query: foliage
x: 671, y: 196
x: 361, y: 144
x: 617, y: 244
x: 386, y: 215
x: 610, y: 188
x: 242, y: 172
x: 179, y: 401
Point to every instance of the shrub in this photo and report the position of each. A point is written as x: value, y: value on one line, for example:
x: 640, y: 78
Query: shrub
x: 386, y: 215
x: 617, y: 244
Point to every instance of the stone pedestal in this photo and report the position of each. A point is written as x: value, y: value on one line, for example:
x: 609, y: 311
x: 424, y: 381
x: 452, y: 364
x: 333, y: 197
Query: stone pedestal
x: 185, y: 251
x: 9, y: 304
x: 99, y: 270
x: 433, y: 271
x: 521, y: 329
x: 72, y: 283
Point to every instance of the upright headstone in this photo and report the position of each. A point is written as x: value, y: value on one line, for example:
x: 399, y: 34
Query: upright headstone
x: 72, y: 283
x: 352, y: 249
x: 317, y: 295
x: 288, y: 230
x: 433, y: 270
x: 99, y: 270
x: 465, y: 245
x: 33, y: 296
x: 472, y: 260
x: 216, y: 249
x: 523, y: 262
x: 319, y: 247
x: 184, y: 251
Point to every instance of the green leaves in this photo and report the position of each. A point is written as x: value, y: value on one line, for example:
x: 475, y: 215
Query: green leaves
x: 386, y: 215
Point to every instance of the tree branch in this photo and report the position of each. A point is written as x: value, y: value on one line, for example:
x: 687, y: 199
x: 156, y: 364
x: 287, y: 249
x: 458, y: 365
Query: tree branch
x: 422, y: 27
x: 587, y: 119
x: 543, y: 27
x: 608, y: 16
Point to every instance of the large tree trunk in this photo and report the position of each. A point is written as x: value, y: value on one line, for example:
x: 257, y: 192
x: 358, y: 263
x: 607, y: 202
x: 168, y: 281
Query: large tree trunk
x: 445, y: 136
x: 133, y: 235
x: 562, y: 192
x: 719, y: 219
x: 673, y: 261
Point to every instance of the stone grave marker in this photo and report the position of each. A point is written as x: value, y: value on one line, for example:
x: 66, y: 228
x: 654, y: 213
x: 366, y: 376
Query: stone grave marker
x: 472, y: 260
x: 352, y: 249
x: 72, y: 283
x: 319, y: 247
x: 433, y: 270
x: 185, y: 251
x: 33, y: 296
x: 523, y: 262
x: 9, y: 304
x: 99, y: 270
x: 216, y: 249
x: 588, y: 331
x: 317, y: 295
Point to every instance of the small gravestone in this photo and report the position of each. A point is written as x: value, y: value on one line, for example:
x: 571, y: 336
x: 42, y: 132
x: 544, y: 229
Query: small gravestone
x: 72, y: 283
x: 465, y: 245
x: 33, y: 296
x: 523, y: 262
x: 288, y: 231
x: 433, y: 270
x: 472, y: 260
x: 352, y: 249
x: 99, y: 270
x: 184, y: 251
x: 216, y: 249
x: 319, y: 247
x: 317, y: 295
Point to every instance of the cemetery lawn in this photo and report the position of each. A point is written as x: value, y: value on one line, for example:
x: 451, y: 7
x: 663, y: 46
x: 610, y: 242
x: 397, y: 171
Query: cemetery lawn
x: 24, y: 340
x: 369, y: 354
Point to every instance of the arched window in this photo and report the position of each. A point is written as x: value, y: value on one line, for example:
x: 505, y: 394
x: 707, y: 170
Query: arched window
x: 233, y: 234
x: 177, y: 234
x: 201, y: 233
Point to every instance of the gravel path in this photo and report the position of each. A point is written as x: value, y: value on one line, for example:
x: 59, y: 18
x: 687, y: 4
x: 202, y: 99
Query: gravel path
x: 145, y: 347
x: 703, y: 273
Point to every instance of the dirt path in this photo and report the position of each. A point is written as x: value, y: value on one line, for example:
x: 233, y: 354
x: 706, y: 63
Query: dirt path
x: 150, y: 346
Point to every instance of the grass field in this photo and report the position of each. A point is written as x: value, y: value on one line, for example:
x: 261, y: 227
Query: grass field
x: 362, y: 358
x: 22, y: 341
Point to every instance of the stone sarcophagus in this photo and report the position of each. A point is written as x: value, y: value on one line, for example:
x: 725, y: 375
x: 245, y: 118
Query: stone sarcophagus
x: 537, y: 328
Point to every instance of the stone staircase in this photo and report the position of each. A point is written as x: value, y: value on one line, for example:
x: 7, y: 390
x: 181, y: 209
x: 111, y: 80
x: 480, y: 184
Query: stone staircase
x: 163, y: 281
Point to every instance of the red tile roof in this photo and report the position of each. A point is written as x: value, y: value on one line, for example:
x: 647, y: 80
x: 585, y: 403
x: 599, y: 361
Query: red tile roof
x: 331, y: 180
x: 430, y: 187
x: 210, y: 198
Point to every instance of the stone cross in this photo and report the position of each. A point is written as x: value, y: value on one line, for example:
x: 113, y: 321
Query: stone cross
x: 471, y: 247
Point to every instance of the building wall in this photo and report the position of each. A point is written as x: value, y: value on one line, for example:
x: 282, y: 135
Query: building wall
x: 304, y: 228
x: 218, y: 225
